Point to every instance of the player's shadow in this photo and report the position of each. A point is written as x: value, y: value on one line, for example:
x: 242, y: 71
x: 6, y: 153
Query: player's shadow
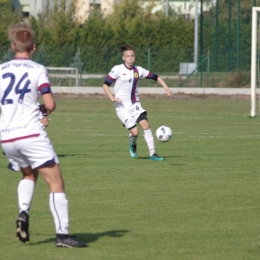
x: 166, y: 157
x: 86, y: 237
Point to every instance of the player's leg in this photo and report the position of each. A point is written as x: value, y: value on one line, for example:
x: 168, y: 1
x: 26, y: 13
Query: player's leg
x: 129, y: 122
x: 25, y: 192
x: 133, y: 135
x: 59, y: 205
x: 148, y: 136
x: 25, y: 188
x: 50, y: 170
x: 39, y: 153
x: 58, y: 201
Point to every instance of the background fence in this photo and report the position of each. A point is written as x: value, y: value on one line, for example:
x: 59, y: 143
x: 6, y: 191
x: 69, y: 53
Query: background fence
x: 164, y: 61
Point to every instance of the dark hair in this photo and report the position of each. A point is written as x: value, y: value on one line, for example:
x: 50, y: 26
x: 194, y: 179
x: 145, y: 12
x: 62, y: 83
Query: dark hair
x: 126, y: 48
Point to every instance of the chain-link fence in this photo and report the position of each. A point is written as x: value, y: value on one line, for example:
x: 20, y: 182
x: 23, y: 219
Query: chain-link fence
x: 211, y: 71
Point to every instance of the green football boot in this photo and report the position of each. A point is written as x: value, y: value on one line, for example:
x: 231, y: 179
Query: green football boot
x: 156, y: 157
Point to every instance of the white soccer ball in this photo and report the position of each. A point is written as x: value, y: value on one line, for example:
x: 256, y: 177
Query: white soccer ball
x: 164, y: 133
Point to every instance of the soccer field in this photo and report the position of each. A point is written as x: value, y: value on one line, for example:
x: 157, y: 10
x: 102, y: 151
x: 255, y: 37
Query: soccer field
x: 201, y: 202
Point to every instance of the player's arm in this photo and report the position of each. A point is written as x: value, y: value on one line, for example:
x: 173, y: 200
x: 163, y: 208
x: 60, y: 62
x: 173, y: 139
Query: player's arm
x: 160, y: 81
x: 109, y: 94
x: 108, y: 81
x: 49, y: 102
x: 45, y: 91
x: 164, y: 85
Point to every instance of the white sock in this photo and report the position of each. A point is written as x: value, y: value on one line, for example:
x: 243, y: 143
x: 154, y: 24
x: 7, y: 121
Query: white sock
x: 60, y: 212
x: 132, y: 139
x: 25, y: 192
x: 148, y: 137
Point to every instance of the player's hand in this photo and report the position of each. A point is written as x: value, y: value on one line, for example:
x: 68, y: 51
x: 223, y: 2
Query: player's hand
x: 117, y: 100
x: 43, y: 110
x: 168, y: 92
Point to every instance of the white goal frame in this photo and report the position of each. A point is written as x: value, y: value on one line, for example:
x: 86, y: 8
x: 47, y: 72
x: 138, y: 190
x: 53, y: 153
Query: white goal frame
x: 254, y: 43
x: 70, y: 69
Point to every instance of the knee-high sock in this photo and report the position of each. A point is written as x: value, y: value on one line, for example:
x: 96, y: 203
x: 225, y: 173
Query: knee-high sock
x: 25, y: 192
x: 60, y: 212
x: 132, y: 139
x: 148, y: 136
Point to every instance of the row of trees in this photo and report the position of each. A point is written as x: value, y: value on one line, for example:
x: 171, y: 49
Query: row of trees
x: 60, y: 35
x: 130, y: 23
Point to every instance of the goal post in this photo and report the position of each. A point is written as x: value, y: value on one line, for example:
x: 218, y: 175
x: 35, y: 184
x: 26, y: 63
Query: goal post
x: 63, y: 76
x: 254, y: 57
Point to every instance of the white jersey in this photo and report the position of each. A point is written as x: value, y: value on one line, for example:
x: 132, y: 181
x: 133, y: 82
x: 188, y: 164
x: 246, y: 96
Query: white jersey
x: 20, y: 82
x: 126, y: 85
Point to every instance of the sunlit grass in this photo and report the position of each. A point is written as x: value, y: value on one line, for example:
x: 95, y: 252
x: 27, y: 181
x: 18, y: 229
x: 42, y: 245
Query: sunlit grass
x: 201, y: 203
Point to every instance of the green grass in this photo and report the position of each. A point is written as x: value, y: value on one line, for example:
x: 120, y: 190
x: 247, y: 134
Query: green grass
x: 201, y: 203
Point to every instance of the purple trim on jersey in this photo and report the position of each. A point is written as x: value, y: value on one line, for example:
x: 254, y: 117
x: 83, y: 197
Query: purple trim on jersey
x: 109, y: 79
x: 150, y: 75
x: 19, y: 138
x: 45, y: 88
x: 133, y: 96
x: 129, y: 68
x: 20, y: 58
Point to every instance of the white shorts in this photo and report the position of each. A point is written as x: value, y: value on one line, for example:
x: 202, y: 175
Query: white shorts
x: 128, y: 116
x: 33, y: 151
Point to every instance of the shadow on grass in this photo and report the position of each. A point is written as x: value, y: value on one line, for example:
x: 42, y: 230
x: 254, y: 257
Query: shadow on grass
x: 86, y: 237
x: 70, y: 154
x: 165, y: 157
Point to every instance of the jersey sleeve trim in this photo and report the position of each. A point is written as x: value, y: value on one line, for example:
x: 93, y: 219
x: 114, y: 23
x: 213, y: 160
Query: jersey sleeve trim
x: 109, y: 80
x: 152, y: 76
x: 45, y: 88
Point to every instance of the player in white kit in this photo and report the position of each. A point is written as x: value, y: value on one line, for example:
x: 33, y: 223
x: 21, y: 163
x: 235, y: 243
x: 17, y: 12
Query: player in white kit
x: 24, y: 141
x: 126, y: 98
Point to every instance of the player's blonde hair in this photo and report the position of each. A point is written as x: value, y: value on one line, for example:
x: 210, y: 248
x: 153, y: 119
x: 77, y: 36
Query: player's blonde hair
x: 22, y: 37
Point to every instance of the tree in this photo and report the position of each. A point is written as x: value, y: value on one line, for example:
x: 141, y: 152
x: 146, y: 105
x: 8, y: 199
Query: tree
x: 7, y: 56
x: 8, y: 16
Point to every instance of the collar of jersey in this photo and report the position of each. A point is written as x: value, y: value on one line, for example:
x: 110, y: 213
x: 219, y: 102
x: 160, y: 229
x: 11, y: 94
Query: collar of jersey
x: 20, y: 58
x: 130, y: 68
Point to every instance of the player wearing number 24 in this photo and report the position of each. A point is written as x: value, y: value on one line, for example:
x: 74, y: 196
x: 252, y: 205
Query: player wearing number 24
x: 126, y: 98
x: 24, y: 140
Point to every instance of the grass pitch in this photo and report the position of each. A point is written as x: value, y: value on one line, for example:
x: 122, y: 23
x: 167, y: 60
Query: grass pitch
x: 201, y: 203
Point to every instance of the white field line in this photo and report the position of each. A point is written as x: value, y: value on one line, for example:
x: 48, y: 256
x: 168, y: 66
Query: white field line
x: 174, y: 123
x: 163, y: 116
x: 179, y: 134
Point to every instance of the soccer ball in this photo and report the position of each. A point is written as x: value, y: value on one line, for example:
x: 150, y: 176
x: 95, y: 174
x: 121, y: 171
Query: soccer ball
x: 164, y: 133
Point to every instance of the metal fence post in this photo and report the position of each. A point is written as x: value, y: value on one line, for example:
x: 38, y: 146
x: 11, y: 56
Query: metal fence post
x: 238, y: 34
x: 148, y: 63
x: 229, y: 34
x: 201, y: 42
x: 107, y: 58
